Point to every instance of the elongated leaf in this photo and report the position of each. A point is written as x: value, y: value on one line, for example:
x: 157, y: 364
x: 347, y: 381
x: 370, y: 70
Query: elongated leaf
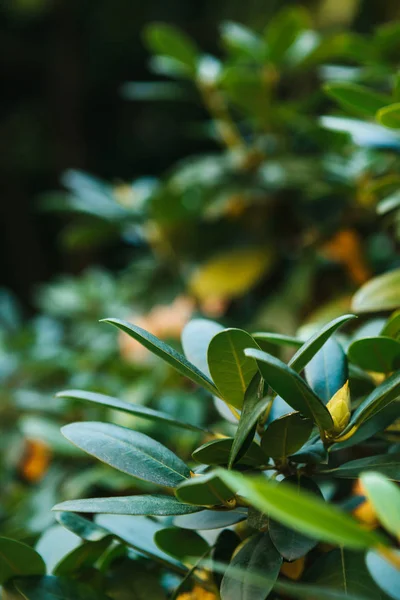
x: 82, y: 557
x: 156, y: 505
x: 286, y: 435
x: 171, y: 356
x: 380, y: 293
x: 358, y: 98
x: 386, y: 464
x: 217, y: 452
x: 277, y: 338
x: 196, y: 337
x: 242, y: 41
x: 327, y: 372
x: 181, y: 543
x: 17, y: 558
x: 252, y: 409
x: 205, y: 490
x: 293, y: 389
x: 389, y: 116
x: 56, y: 588
x: 302, y: 511
x: 376, y: 424
x: 230, y: 368
x: 384, y: 574
x: 165, y: 39
x: 288, y: 541
x: 82, y: 527
x: 133, y: 409
x: 211, y: 519
x: 380, y: 354
x: 128, y: 451
x: 385, y: 499
x: 257, y: 553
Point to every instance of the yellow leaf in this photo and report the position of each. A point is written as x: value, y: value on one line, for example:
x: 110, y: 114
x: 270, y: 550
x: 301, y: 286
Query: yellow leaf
x: 230, y: 274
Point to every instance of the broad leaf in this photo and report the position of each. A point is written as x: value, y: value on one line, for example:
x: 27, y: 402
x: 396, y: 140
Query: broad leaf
x: 302, y: 511
x: 134, y: 409
x: 211, y: 519
x: 380, y: 354
x: 386, y: 464
x: 55, y: 543
x: 385, y: 499
x: 384, y: 574
x: 222, y: 551
x: 17, y: 558
x: 181, y: 543
x: 82, y: 557
x: 358, y: 98
x: 205, y: 490
x: 56, y: 588
x: 256, y: 554
x: 171, y: 356
x: 327, y: 372
x: 286, y: 435
x: 128, y: 451
x: 156, y: 505
x: 196, y: 337
x: 392, y: 326
x: 230, y: 368
x: 380, y: 293
x: 217, y: 452
x: 293, y: 389
x: 389, y: 116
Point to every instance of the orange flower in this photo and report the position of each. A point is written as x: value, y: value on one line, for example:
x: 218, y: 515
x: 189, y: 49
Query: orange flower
x: 293, y: 570
x: 364, y: 511
x: 345, y: 247
x: 197, y: 593
x: 36, y: 460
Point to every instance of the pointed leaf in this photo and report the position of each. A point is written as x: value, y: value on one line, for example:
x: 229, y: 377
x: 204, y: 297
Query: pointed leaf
x: 211, y: 519
x: 358, y: 98
x: 386, y: 464
x: 327, y: 372
x: 168, y: 40
x: 286, y: 435
x: 196, y: 337
x: 217, y: 452
x: 277, y: 338
x: 17, y: 558
x: 156, y: 505
x: 205, y: 490
x: 85, y: 529
x: 128, y: 451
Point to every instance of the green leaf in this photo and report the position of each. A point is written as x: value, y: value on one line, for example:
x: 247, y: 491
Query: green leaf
x: 344, y: 571
x: 211, y: 519
x: 283, y: 30
x: 128, y: 451
x: 155, y: 505
x: 56, y: 588
x: 85, y: 529
x: 290, y: 543
x: 302, y: 512
x: 252, y: 409
x: 384, y: 574
x: 327, y: 372
x: 388, y: 204
x: 293, y: 389
x: 384, y: 497
x: 181, y: 543
x: 205, y: 490
x: 55, y: 543
x: 392, y: 326
x: 225, y: 545
x: 386, y: 464
x: 17, y: 558
x: 277, y: 338
x: 389, y: 116
x: 167, y: 40
x: 380, y: 354
x: 196, y: 337
x: 217, y: 452
x: 241, y: 41
x: 230, y: 368
x: 133, y: 409
x: 286, y: 435
x: 358, y: 98
x: 82, y: 557
x: 378, y: 294
x: 171, y: 356
x: 257, y: 553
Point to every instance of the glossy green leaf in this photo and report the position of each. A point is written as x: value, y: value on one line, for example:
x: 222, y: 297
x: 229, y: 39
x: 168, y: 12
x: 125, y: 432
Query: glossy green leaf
x: 384, y: 496
x: 389, y: 116
x: 222, y: 551
x: 168, y: 40
x: 205, y: 490
x: 242, y: 41
x: 211, y: 519
x: 181, y: 543
x: 292, y: 544
x: 302, y: 512
x: 286, y: 435
x: 253, y: 408
x: 256, y: 554
x: 171, y: 356
x: 392, y: 326
x: 196, y: 337
x: 55, y: 543
x: 230, y: 368
x: 56, y: 588
x: 17, y: 558
x: 327, y: 371
x: 380, y: 293
x: 380, y: 354
x: 85, y: 529
x: 128, y: 451
x: 217, y: 452
x: 155, y: 505
x: 344, y: 571
x: 277, y: 338
x: 82, y: 557
x: 385, y: 575
x: 293, y: 389
x: 357, y: 98
x: 133, y: 409
x: 386, y: 464
x: 388, y: 204
x: 283, y: 30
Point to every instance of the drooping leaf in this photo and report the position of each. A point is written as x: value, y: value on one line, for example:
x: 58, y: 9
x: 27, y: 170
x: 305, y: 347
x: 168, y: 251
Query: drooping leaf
x: 302, y: 511
x: 56, y: 588
x: 134, y: 409
x: 217, y: 452
x: 389, y: 116
x: 205, y: 490
x: 196, y: 337
x: 80, y: 526
x: 256, y: 554
x: 386, y: 464
x: 385, y: 575
x: 293, y: 389
x: 171, y: 356
x: 211, y: 519
x: 327, y: 372
x: 156, y: 505
x: 380, y: 293
x: 286, y: 435
x: 181, y: 543
x: 358, y: 98
x: 385, y: 499
x: 380, y: 354
x: 17, y: 559
x: 291, y: 543
x: 128, y: 451
x: 230, y: 368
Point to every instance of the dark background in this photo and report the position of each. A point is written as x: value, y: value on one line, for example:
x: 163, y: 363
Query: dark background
x: 63, y: 63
